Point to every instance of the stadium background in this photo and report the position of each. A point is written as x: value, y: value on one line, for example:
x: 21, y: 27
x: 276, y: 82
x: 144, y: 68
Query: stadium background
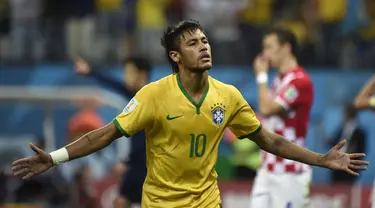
x: 39, y: 39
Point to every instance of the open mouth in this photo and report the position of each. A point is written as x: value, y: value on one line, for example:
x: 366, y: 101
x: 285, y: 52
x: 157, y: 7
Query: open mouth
x: 205, y: 56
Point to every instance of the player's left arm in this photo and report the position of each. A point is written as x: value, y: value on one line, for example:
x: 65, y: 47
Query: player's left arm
x: 244, y: 124
x: 334, y: 159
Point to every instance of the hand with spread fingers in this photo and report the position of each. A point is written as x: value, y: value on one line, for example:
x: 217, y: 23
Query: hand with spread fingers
x: 28, y: 167
x: 348, y: 162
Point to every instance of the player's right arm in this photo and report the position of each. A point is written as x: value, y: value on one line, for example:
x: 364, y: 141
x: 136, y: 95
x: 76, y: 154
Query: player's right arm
x: 137, y: 115
x: 366, y: 97
x: 244, y: 124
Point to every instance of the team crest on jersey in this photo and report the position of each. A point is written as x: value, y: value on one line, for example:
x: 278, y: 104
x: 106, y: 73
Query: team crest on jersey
x: 291, y: 93
x: 218, y: 113
x: 131, y: 106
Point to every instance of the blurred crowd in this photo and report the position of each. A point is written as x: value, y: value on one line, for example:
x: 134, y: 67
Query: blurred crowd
x: 80, y: 183
x: 334, y: 33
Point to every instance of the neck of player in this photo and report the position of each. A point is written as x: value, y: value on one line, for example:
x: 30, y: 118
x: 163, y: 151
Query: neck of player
x: 288, y: 65
x: 195, y: 83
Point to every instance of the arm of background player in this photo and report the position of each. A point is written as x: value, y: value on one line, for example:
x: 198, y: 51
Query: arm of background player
x: 111, y: 83
x: 362, y: 100
x: 267, y: 106
x: 93, y: 141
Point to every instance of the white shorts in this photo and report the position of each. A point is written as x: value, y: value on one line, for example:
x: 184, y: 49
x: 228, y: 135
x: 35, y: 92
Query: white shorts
x: 281, y: 190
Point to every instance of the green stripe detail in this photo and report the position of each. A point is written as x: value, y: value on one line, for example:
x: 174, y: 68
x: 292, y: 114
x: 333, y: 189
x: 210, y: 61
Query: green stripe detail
x: 252, y: 133
x: 118, y: 125
x: 197, y: 105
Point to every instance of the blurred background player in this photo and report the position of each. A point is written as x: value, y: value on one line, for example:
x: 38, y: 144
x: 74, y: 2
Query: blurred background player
x: 365, y: 100
x: 286, y: 112
x: 81, y: 174
x: 366, y: 97
x: 351, y: 130
x: 136, y: 75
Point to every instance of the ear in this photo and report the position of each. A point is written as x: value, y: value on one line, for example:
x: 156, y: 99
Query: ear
x: 175, y: 56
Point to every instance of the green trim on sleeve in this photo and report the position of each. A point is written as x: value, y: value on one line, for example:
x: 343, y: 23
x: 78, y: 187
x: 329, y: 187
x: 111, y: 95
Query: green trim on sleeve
x: 118, y: 125
x: 252, y: 133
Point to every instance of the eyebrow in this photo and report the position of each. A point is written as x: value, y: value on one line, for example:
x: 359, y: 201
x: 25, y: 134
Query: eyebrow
x: 196, y: 39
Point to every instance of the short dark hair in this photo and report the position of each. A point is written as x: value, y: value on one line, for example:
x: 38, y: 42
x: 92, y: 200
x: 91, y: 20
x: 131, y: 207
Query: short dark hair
x: 141, y: 63
x: 171, y: 38
x: 285, y: 36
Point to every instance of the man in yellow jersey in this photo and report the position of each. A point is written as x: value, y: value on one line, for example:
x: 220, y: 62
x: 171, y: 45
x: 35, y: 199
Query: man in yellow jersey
x: 184, y: 116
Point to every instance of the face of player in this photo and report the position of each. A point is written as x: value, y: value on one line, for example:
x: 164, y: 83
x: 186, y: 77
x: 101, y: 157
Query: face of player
x: 273, y: 50
x: 135, y: 79
x: 195, y: 51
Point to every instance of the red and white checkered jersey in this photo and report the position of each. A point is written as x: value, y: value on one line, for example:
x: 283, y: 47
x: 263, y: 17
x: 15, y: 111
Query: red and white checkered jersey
x: 294, y: 91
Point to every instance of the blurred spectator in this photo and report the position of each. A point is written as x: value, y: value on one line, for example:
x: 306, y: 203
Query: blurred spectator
x: 254, y: 18
x: 4, y: 28
x: 332, y: 14
x: 356, y: 141
x: 80, y: 28
x: 27, y: 41
x: 332, y: 33
x: 4, y: 18
x: 176, y: 11
x: 130, y: 27
x: 366, y: 41
x: 151, y: 21
x: 308, y: 54
x: 223, y: 32
x: 82, y: 194
x: 292, y: 20
x: 111, y: 28
x: 54, y: 16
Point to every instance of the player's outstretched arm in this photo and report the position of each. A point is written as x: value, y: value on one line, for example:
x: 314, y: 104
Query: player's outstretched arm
x: 334, y: 159
x: 87, y: 144
x: 363, y: 99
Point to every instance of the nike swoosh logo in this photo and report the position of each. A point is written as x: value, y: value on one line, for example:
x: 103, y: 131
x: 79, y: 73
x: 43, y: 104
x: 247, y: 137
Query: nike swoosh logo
x: 172, y: 118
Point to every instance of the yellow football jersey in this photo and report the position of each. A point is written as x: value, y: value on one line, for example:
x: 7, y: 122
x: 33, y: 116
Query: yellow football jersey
x: 183, y: 138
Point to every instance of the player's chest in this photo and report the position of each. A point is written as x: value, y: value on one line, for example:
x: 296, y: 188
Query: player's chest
x: 280, y: 84
x: 180, y: 115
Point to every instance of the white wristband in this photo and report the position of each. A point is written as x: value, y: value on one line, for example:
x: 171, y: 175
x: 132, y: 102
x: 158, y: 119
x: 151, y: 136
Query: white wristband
x: 59, y: 156
x: 262, y: 78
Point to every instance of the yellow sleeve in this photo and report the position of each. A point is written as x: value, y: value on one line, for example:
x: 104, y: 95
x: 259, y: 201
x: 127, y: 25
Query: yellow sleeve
x: 138, y: 113
x: 372, y: 101
x: 244, y: 122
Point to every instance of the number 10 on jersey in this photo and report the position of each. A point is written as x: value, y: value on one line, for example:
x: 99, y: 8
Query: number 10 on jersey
x: 197, y: 145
